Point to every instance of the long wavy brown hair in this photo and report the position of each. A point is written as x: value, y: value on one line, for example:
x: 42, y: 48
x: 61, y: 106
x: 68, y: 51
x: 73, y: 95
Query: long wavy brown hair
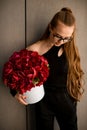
x: 75, y: 72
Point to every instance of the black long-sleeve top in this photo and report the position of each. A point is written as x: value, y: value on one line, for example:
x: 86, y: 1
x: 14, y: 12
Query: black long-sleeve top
x: 58, y: 68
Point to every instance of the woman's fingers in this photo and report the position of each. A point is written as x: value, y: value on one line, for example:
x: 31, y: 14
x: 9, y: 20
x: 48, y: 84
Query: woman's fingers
x: 21, y: 98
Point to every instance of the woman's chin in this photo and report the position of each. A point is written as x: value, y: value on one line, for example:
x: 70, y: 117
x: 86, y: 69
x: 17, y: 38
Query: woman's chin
x: 57, y: 44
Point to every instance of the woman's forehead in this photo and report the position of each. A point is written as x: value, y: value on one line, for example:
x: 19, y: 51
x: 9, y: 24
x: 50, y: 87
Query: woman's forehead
x: 64, y: 30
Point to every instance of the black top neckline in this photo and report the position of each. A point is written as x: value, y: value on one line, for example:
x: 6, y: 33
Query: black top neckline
x: 56, y: 48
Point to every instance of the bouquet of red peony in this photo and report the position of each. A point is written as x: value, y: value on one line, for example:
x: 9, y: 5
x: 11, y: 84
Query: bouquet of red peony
x: 25, y: 70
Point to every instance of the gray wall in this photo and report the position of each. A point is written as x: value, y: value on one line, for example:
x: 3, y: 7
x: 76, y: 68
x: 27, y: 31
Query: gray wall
x: 12, y: 31
x: 12, y: 114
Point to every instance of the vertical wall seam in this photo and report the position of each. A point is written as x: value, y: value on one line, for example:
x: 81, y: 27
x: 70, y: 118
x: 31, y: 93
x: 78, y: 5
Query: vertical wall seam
x: 25, y: 23
x: 25, y: 3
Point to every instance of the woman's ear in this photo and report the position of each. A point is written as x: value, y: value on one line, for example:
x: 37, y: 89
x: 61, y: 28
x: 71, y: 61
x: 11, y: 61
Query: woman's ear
x: 50, y: 28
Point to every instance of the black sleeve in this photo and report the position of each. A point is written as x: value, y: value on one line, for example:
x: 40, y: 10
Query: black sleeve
x: 13, y: 92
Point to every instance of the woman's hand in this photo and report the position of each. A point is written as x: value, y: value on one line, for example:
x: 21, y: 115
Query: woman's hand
x: 21, y: 98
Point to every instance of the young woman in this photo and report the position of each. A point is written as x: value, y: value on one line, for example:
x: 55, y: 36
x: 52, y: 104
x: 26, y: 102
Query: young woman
x: 63, y: 87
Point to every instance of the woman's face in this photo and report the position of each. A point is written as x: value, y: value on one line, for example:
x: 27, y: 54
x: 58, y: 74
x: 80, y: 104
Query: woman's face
x: 61, y: 34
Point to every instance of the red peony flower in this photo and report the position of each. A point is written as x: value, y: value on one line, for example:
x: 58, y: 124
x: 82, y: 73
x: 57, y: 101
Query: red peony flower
x: 24, y: 70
